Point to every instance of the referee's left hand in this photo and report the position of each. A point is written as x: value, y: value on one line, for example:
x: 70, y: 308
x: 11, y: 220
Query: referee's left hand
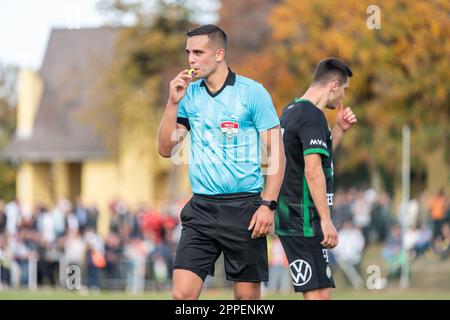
x: 262, y: 222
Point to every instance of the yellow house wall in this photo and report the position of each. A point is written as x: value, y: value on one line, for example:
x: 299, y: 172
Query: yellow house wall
x: 34, y: 185
x: 61, y: 180
x: 135, y: 176
x: 99, y: 186
x: 29, y: 95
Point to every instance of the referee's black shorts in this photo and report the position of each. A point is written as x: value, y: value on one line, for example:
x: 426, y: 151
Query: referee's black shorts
x: 215, y: 224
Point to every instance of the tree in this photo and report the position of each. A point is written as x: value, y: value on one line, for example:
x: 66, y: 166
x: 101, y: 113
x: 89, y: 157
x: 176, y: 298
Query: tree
x: 250, y: 16
x: 147, y: 54
x: 8, y: 99
x: 402, y: 74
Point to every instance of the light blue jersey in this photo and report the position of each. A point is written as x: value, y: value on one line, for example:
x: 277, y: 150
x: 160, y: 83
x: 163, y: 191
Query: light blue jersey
x: 224, y: 126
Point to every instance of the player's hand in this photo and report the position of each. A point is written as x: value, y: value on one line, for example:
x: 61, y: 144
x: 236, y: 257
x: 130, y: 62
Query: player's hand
x: 330, y: 235
x: 178, y: 86
x: 345, y: 118
x: 262, y: 222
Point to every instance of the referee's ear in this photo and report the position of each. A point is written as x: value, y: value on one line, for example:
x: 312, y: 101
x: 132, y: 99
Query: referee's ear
x: 220, y: 55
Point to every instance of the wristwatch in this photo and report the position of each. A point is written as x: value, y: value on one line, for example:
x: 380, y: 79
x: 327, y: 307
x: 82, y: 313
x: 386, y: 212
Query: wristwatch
x: 272, y: 204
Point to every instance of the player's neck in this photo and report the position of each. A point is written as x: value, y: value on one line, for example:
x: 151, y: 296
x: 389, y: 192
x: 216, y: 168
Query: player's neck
x: 216, y: 79
x: 317, y: 95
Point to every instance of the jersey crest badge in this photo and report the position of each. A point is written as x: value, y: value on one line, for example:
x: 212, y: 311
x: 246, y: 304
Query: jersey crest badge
x: 229, y: 129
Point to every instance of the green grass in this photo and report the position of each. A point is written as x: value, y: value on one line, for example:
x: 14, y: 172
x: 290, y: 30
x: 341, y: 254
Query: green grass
x: 226, y: 294
x: 430, y: 279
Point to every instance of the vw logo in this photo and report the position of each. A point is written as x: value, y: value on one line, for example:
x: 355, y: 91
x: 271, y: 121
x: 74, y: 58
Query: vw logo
x: 301, y: 272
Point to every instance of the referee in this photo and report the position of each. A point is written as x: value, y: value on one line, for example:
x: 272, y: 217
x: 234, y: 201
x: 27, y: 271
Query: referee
x: 303, y: 220
x: 227, y: 116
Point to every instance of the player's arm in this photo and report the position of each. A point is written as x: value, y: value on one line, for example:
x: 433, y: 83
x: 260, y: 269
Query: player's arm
x: 171, y: 133
x: 345, y: 119
x: 315, y: 178
x: 273, y: 141
x: 337, y: 134
x: 262, y: 220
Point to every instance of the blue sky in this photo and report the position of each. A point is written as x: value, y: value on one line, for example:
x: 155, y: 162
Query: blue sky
x: 25, y: 25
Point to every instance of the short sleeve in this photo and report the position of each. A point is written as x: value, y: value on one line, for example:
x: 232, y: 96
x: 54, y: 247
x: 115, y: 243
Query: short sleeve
x: 182, y: 107
x: 313, y: 136
x: 264, y: 115
x: 182, y: 117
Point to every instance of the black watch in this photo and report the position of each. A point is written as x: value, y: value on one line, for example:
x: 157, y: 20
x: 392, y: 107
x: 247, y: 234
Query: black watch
x: 272, y: 204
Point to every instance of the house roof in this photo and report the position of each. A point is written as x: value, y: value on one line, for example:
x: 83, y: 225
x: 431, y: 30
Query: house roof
x: 72, y: 71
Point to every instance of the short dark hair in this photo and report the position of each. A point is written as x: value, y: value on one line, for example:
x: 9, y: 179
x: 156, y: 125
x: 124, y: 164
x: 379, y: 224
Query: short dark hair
x: 213, y: 32
x: 332, y: 67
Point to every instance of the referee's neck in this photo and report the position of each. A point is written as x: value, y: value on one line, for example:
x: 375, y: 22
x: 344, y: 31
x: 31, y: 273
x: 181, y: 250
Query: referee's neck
x: 217, y: 79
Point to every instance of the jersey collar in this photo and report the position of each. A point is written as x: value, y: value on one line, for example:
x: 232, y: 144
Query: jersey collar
x: 229, y: 81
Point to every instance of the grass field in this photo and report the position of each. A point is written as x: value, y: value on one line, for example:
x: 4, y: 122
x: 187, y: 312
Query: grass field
x: 223, y: 294
x: 430, y: 279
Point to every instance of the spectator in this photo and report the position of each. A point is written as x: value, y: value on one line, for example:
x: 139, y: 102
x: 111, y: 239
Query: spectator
x: 279, y: 273
x: 21, y: 255
x: 74, y: 249
x: 113, y: 254
x: 48, y: 263
x: 95, y: 260
x: 442, y: 242
x: 341, y: 209
x: 409, y: 216
x: 2, y: 217
x: 394, y: 254
x: 437, y: 208
x: 81, y: 213
x: 59, y: 216
x: 92, y: 218
x: 13, y: 216
x: 349, y: 253
x: 5, y: 261
x: 136, y: 252
x: 361, y: 214
x: 160, y: 270
x: 380, y: 217
x: 423, y: 240
x: 417, y: 240
x: 46, y: 225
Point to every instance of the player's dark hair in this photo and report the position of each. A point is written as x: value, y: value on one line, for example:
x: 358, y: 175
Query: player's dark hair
x: 213, y: 32
x: 330, y: 68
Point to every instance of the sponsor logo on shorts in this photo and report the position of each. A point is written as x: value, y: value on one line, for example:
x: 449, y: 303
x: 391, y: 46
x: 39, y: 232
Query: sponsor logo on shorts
x: 301, y: 272
x: 328, y: 271
x: 325, y: 255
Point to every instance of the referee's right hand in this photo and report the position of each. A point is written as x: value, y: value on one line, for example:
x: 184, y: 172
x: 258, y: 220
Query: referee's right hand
x: 178, y: 86
x: 330, y: 235
x: 262, y: 222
